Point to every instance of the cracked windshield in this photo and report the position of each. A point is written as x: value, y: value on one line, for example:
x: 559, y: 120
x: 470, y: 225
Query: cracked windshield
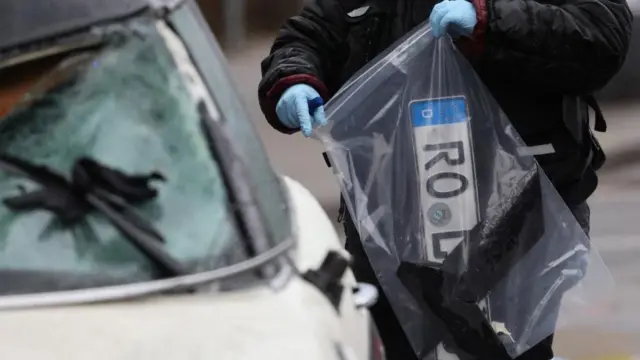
x: 118, y: 124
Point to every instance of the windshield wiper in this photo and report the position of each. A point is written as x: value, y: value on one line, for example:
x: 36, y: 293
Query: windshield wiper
x: 94, y: 186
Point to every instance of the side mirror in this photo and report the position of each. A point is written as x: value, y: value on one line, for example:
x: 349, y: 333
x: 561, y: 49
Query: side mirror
x: 327, y: 278
x: 365, y: 295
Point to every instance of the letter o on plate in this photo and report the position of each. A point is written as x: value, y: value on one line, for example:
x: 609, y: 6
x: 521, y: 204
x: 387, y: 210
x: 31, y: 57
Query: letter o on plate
x: 463, y: 183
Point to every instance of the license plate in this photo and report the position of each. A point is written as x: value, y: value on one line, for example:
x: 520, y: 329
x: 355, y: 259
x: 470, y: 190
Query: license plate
x: 448, y: 194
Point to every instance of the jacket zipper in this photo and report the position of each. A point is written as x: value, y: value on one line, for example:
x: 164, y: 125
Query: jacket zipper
x: 371, y: 30
x: 367, y: 54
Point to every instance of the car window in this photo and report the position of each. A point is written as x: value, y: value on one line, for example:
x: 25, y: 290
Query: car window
x: 268, y: 188
x: 127, y: 107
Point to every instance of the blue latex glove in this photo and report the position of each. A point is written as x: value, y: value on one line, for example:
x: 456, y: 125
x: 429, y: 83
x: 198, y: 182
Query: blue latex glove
x: 300, y: 107
x: 455, y: 17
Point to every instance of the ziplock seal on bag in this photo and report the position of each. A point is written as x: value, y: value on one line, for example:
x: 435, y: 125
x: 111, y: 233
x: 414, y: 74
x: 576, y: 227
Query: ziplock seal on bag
x: 476, y: 251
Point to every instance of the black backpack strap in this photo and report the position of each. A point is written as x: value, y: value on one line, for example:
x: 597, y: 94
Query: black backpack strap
x: 597, y: 156
x: 343, y: 205
x: 601, y: 123
x: 326, y: 159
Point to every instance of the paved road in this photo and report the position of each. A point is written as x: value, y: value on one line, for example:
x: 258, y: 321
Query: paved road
x: 615, y: 222
x: 615, y: 207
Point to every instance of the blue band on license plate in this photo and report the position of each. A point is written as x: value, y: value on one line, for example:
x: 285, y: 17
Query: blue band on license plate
x: 438, y: 111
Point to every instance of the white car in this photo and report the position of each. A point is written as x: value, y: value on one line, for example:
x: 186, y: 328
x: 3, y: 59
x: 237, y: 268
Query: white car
x: 140, y: 217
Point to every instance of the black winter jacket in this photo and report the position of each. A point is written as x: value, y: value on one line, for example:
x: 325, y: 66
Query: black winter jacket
x: 540, y: 60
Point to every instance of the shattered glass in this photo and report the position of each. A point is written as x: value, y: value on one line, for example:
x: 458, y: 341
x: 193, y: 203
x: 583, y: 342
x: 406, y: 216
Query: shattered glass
x: 128, y: 107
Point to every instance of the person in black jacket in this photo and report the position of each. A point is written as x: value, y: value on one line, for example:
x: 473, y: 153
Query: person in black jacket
x: 541, y: 60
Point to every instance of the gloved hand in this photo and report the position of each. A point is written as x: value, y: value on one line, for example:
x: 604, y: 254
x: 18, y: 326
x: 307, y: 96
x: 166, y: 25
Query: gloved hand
x: 455, y: 17
x: 300, y: 106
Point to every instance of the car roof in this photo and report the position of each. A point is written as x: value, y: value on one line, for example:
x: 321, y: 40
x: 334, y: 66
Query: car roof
x: 26, y: 21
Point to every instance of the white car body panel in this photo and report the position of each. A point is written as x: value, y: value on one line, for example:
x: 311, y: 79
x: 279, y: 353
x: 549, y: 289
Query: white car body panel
x: 296, y: 321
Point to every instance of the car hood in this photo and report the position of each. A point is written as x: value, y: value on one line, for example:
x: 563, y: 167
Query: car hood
x: 253, y: 324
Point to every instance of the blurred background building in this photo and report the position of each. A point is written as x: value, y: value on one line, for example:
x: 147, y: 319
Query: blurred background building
x: 234, y: 21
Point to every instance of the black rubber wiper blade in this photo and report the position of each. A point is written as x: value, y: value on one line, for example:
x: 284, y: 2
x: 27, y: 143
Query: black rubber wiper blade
x: 95, y: 187
x: 141, y: 238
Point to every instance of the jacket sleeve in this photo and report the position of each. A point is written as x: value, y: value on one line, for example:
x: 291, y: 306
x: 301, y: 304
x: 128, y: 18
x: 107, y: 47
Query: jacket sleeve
x: 308, y: 50
x: 573, y: 47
